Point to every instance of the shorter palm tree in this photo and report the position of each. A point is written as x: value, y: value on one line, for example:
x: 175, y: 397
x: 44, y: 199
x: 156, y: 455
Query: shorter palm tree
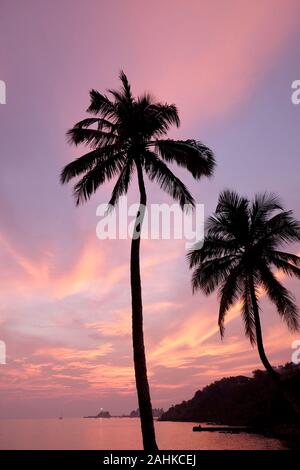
x: 241, y: 246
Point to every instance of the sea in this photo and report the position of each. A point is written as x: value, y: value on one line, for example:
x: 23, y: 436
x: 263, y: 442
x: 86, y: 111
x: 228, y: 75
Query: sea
x: 120, y: 434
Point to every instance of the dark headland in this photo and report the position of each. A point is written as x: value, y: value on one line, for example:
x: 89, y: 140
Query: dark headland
x: 253, y: 402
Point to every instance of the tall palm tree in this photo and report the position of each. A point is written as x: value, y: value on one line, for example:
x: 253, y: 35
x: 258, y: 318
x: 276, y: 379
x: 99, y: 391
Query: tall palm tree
x: 126, y: 135
x: 242, y: 244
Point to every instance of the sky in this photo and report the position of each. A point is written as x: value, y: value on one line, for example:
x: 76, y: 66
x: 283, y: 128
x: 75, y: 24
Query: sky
x: 65, y: 295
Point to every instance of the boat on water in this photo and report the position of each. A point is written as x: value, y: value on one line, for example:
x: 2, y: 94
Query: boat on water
x: 226, y: 429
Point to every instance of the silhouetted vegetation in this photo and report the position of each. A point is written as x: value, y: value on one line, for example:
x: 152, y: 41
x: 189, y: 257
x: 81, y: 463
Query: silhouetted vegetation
x: 241, y: 400
x: 101, y: 414
x: 242, y: 246
x: 156, y: 412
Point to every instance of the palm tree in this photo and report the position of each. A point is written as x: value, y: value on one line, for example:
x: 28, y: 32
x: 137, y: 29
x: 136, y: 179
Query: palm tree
x: 242, y: 244
x: 125, y: 135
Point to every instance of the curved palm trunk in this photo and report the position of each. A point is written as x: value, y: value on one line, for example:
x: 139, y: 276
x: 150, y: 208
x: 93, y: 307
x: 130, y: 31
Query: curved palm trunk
x: 139, y: 357
x: 261, y: 351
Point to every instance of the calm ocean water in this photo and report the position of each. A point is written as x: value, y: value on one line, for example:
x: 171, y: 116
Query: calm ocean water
x: 118, y: 433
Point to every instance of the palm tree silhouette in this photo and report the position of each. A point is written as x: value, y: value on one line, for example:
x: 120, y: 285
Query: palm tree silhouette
x: 125, y: 135
x: 242, y: 244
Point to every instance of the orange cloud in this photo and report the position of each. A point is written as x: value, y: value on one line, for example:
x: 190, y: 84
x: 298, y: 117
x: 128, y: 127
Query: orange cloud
x: 71, y: 354
x: 119, y: 325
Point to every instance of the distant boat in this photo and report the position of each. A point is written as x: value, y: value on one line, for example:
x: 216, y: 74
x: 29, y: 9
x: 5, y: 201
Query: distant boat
x: 226, y: 429
x: 61, y: 416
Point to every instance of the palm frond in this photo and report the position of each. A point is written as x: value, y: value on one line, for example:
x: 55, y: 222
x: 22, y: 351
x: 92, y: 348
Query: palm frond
x: 282, y: 228
x: 101, y: 124
x: 286, y: 267
x: 102, y: 171
x: 283, y: 256
x: 281, y: 297
x: 231, y: 218
x: 213, y: 247
x: 158, y: 171
x: 153, y: 119
x: 262, y: 207
x: 247, y: 312
x: 209, y: 274
x: 86, y: 162
x: 229, y: 293
x: 230, y: 228
x: 164, y: 114
x: 122, y: 184
x: 119, y: 99
x: 93, y: 137
x: 101, y: 104
x: 126, y: 86
x: 230, y: 202
x: 80, y: 165
x: 198, y: 159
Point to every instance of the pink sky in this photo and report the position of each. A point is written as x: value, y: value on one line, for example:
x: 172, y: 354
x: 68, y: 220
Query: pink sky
x: 65, y: 299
